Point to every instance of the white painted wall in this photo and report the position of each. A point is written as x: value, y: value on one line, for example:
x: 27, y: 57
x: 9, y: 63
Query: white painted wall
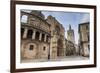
x: 5, y: 37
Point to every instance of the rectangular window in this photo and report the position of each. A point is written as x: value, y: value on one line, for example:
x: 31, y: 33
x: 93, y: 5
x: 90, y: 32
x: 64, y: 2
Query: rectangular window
x: 31, y: 47
x: 44, y: 48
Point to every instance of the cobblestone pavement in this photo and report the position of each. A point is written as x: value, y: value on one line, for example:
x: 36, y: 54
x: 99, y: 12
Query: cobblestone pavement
x: 66, y: 58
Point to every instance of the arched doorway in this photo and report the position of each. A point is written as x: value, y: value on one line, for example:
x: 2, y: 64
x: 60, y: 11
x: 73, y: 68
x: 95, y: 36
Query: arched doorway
x: 59, y: 47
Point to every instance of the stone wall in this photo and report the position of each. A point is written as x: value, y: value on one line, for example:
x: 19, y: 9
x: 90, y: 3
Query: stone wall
x: 40, y: 50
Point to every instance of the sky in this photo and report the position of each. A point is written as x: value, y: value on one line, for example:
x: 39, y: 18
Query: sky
x: 66, y: 19
x: 69, y: 18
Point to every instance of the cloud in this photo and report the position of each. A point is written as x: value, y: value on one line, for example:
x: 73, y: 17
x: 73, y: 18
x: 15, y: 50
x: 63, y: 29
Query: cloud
x: 85, y: 18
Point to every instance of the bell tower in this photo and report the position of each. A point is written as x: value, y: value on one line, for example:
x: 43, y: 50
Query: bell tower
x: 70, y: 34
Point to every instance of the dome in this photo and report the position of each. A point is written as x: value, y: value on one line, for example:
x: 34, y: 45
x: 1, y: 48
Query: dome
x: 37, y: 13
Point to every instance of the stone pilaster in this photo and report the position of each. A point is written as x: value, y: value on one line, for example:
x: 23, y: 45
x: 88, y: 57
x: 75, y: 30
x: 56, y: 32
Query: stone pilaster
x: 34, y: 33
x: 25, y: 33
x: 40, y: 36
x: 45, y: 38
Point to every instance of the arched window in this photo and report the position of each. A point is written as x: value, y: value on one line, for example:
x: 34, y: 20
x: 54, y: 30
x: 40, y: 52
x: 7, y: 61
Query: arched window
x: 24, y: 19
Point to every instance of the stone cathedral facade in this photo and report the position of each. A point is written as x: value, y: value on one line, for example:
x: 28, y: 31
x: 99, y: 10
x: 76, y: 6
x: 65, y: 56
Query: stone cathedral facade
x: 41, y: 38
x: 57, y: 42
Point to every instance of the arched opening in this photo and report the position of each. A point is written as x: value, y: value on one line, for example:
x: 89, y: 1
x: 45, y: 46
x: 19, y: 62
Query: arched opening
x: 22, y: 32
x: 29, y: 34
x: 37, y: 35
x: 43, y: 37
x: 59, y: 47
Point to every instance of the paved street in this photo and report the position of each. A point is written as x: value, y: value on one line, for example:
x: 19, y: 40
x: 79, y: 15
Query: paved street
x: 67, y: 58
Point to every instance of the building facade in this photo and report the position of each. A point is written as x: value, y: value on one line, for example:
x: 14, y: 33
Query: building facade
x: 57, y: 43
x: 41, y: 38
x: 35, y: 36
x: 84, y: 44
